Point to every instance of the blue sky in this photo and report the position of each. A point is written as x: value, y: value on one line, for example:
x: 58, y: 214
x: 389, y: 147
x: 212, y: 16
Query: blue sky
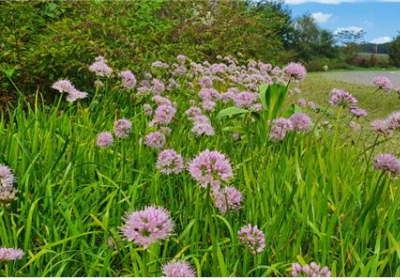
x: 380, y: 19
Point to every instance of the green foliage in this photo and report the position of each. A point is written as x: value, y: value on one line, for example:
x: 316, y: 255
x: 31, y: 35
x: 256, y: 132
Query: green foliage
x: 394, y: 51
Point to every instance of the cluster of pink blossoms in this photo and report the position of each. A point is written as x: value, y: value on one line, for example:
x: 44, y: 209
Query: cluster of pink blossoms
x: 147, y: 226
x: 67, y: 87
x: 128, y: 79
x: 100, y: 67
x: 10, y: 254
x: 7, y: 180
x: 201, y: 123
x: 210, y: 168
x: 178, y: 269
x: 253, y: 238
x: 312, y: 270
x: 297, y: 122
x: 155, y: 140
x: 387, y: 163
x: 227, y: 198
x: 382, y: 83
x: 342, y: 98
x: 169, y: 161
x: 387, y: 126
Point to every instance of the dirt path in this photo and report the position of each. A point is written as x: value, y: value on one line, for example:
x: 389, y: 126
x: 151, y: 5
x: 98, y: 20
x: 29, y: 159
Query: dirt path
x: 364, y: 77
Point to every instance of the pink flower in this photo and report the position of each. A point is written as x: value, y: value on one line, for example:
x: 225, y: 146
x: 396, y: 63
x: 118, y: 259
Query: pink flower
x: 295, y: 71
x: 169, y: 161
x: 210, y: 167
x: 354, y: 126
x: 381, y: 127
x: 104, y: 139
x: 100, y: 67
x: 202, y: 126
x: 63, y: 86
x: 10, y: 254
x: 382, y: 83
x: 227, y: 198
x: 158, y: 87
x: 253, y: 238
x: 148, y: 111
x: 155, y: 140
x: 301, y: 102
x: 122, y: 128
x: 181, y: 58
x: 128, y: 79
x: 245, y: 99
x: 393, y: 120
x: 387, y: 163
x: 279, y: 129
x: 164, y: 114
x: 300, y: 122
x: 147, y: 226
x: 7, y: 180
x: 358, y: 112
x: 178, y: 269
x: 342, y: 98
x: 312, y: 270
x: 193, y: 112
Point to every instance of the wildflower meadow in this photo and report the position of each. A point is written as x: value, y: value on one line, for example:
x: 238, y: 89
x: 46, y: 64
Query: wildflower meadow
x: 197, y: 169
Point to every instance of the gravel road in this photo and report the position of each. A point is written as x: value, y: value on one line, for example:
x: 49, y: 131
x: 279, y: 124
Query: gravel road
x: 364, y: 77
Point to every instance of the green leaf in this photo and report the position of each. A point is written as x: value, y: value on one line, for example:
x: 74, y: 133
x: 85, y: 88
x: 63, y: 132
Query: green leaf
x: 231, y: 111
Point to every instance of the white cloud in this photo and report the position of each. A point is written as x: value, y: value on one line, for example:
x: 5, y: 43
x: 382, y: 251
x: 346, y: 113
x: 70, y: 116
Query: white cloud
x: 381, y: 40
x: 350, y: 28
x: 321, y: 17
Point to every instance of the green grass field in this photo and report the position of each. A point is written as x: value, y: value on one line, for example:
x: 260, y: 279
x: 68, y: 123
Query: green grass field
x: 315, y: 194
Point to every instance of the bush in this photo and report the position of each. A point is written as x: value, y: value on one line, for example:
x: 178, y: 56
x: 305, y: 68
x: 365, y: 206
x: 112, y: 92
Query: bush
x: 394, y: 51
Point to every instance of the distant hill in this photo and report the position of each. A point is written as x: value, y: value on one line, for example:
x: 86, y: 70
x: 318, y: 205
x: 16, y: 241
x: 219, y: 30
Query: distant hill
x: 370, y: 48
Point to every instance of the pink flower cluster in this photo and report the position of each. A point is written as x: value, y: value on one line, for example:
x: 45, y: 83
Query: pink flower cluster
x: 253, y: 238
x: 201, y: 123
x: 342, y: 98
x: 312, y: 270
x: 387, y: 126
x: 387, y: 163
x: 295, y: 71
x: 104, y: 139
x: 7, y: 180
x: 10, y: 254
x: 210, y: 168
x: 382, y: 83
x: 67, y: 87
x: 178, y: 269
x: 227, y: 198
x: 128, y: 79
x: 155, y: 140
x: 279, y: 128
x: 100, y: 67
x: 147, y: 226
x: 169, y: 161
x: 122, y: 128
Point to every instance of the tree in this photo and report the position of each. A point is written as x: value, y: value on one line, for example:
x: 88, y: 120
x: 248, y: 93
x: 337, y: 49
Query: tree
x: 351, y: 40
x: 310, y: 41
x: 394, y: 51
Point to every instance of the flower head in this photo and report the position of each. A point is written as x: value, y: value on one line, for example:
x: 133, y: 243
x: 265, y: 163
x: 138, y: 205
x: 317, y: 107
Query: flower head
x: 104, y: 139
x: 147, y: 226
x: 253, y: 238
x: 245, y: 99
x: 148, y: 111
x: 295, y: 71
x: 164, y: 114
x: 169, y: 161
x: 202, y: 126
x: 358, y: 112
x: 342, y: 98
x: 279, y: 128
x: 155, y: 140
x: 122, y: 128
x: 7, y: 180
x: 210, y: 167
x: 181, y: 58
x: 128, y: 79
x: 382, y: 83
x: 387, y: 163
x: 300, y: 122
x: 227, y: 198
x: 312, y: 270
x: 100, y: 67
x: 10, y: 254
x: 63, y: 86
x: 178, y: 269
x: 381, y: 127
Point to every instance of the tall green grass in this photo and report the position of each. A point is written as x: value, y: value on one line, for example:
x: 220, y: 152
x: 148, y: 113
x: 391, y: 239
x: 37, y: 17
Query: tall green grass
x: 313, y: 195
